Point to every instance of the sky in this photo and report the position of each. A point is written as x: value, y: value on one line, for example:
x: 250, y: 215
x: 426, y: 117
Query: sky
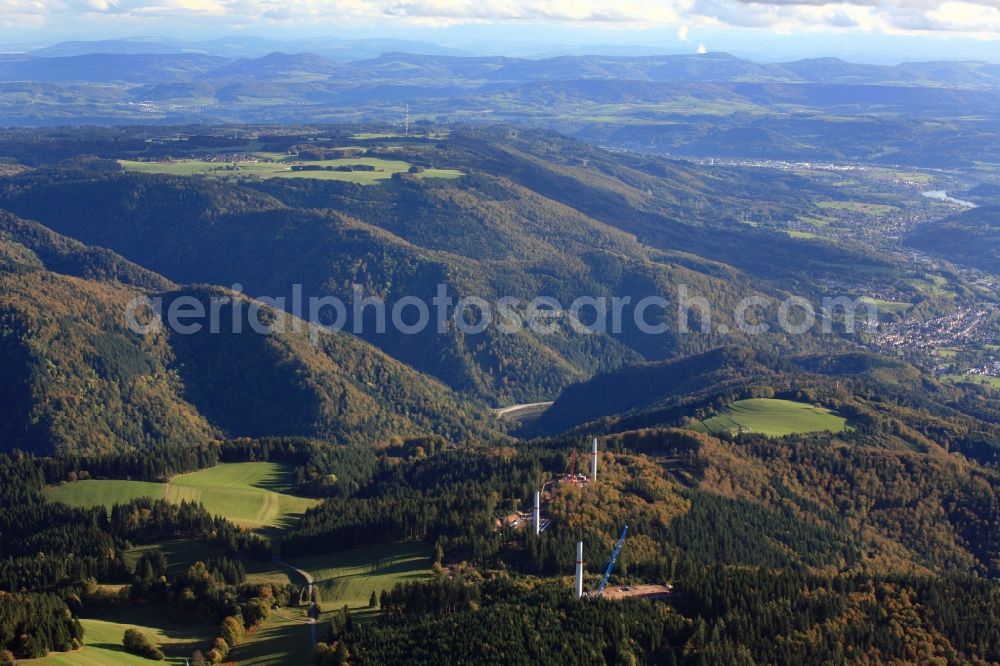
x: 872, y: 30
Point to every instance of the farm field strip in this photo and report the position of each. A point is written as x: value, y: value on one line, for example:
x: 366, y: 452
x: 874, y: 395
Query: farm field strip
x: 250, y: 494
x: 349, y: 577
x: 281, y: 167
x: 103, y: 640
x: 774, y: 418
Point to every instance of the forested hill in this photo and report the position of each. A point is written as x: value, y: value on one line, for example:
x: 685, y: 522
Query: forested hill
x: 971, y: 238
x: 886, y: 400
x: 533, y: 215
x: 77, y: 378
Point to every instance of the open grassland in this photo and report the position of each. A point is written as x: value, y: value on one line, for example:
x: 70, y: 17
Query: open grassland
x: 251, y: 494
x: 284, y: 639
x: 94, y: 492
x: 870, y: 209
x: 182, y: 553
x: 103, y: 638
x: 893, y: 307
x: 774, y: 418
x: 349, y: 577
x: 273, y: 166
x: 934, y: 285
x: 994, y: 382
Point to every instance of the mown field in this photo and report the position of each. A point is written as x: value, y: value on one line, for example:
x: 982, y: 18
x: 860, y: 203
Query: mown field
x: 870, y: 209
x: 94, y: 492
x: 182, y: 553
x: 284, y: 639
x: 994, y: 382
x: 103, y: 639
x: 893, y: 307
x: 349, y: 577
x: 251, y: 494
x: 773, y: 417
x: 282, y: 168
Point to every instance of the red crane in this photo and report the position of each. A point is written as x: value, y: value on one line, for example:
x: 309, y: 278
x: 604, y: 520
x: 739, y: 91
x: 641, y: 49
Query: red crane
x: 571, y: 467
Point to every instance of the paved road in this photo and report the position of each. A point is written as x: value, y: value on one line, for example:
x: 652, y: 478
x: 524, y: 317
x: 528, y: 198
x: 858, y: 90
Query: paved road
x: 514, y: 411
x: 309, y: 595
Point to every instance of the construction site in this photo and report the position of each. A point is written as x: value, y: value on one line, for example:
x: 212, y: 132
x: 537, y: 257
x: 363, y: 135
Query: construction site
x: 539, y: 523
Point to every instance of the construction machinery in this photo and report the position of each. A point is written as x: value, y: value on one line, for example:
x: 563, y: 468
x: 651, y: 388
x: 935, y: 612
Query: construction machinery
x: 612, y: 562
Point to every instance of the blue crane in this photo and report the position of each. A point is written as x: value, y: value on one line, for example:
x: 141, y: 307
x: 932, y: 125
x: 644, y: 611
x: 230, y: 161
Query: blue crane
x: 611, y: 564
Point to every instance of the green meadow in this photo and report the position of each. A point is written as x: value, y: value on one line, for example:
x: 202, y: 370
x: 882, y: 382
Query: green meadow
x: 102, y: 641
x: 801, y: 234
x: 250, y: 494
x: 874, y: 210
x: 281, y: 167
x: 182, y: 553
x: 893, y: 307
x: 284, y: 639
x: 993, y: 382
x: 773, y: 417
x: 350, y: 576
x: 346, y: 577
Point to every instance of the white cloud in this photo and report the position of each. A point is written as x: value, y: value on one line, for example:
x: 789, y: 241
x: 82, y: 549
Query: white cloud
x: 888, y: 16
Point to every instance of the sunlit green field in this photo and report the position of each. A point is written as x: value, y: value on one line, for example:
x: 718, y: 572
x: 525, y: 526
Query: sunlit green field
x: 974, y: 379
x: 91, y: 493
x: 251, y: 494
x: 103, y: 639
x: 774, y: 418
x: 349, y: 577
x: 801, y: 234
x: 282, y: 168
x: 280, y: 641
x: 182, y: 553
x: 875, y: 210
x: 888, y: 306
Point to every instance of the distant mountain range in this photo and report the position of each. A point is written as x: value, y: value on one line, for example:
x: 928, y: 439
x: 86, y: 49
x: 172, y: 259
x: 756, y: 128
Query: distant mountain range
x: 704, y: 105
x: 387, y: 60
x: 247, y: 47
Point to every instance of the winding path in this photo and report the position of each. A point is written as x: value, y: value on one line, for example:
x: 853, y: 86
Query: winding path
x: 309, y: 593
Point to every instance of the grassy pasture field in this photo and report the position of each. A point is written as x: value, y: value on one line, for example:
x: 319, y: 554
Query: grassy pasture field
x: 773, y: 418
x: 873, y: 210
x: 250, y: 494
x: 893, y: 307
x: 350, y: 576
x: 103, y: 638
x: 347, y: 577
x: 99, y: 492
x: 994, y: 382
x: 281, y: 167
x: 801, y: 234
x: 280, y: 641
x: 182, y: 553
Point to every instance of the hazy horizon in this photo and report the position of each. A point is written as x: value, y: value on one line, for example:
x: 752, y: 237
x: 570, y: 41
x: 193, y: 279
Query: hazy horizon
x: 880, y: 31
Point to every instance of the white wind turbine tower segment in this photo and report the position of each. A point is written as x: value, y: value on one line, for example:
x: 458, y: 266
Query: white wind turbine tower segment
x: 579, y: 569
x: 593, y: 462
x: 537, y: 513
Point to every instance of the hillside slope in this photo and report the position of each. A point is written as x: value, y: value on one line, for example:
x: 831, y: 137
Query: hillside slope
x: 535, y: 215
x: 971, y: 238
x: 77, y: 377
x: 887, y: 401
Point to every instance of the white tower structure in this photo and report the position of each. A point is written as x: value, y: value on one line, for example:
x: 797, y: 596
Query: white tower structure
x: 593, y: 462
x: 579, y: 569
x: 537, y: 513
